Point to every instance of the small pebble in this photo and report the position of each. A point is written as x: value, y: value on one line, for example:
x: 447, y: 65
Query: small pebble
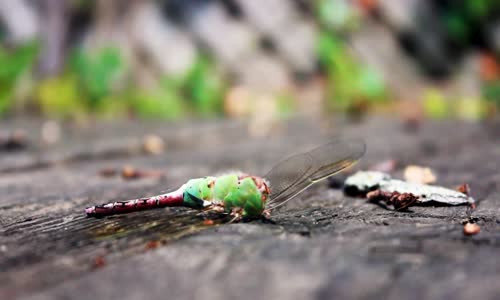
x: 471, y: 229
x: 51, y: 132
x: 153, y: 144
x: 129, y: 172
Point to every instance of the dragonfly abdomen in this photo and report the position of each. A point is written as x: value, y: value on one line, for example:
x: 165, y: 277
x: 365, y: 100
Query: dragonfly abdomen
x: 119, y: 207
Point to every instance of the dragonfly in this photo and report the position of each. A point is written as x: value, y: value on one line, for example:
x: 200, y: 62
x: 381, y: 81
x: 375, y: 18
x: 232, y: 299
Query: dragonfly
x: 241, y: 195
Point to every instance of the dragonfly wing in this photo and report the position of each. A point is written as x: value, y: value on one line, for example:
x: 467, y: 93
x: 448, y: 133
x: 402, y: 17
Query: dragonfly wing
x: 293, y: 175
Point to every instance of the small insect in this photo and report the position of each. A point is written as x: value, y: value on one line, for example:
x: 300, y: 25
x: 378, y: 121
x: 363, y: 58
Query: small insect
x: 245, y: 196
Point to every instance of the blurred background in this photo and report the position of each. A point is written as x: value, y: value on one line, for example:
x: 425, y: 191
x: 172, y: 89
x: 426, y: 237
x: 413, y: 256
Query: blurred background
x: 264, y: 60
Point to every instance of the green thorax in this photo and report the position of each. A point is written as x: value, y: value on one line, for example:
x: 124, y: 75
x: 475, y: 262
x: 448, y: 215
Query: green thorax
x: 233, y: 190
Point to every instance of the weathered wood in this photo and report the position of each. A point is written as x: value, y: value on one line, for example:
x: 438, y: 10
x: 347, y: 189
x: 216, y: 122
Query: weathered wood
x: 322, y: 245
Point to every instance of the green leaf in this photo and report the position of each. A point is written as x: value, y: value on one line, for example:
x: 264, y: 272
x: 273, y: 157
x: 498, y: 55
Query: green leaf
x: 160, y: 104
x: 206, y: 88
x: 98, y: 72
x: 14, y: 64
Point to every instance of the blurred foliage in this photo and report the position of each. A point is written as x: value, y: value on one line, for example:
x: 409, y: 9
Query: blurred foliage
x: 162, y: 103
x: 438, y: 106
x: 86, y: 86
x: 337, y: 15
x: 98, y: 73
x: 285, y: 105
x: 352, y: 85
x: 61, y: 97
x: 435, y: 105
x: 471, y: 109
x: 462, y: 19
x: 3, y: 32
x: 349, y: 82
x: 205, y: 88
x: 468, y: 24
x: 96, y: 83
x: 491, y: 94
x: 490, y: 74
x: 14, y: 63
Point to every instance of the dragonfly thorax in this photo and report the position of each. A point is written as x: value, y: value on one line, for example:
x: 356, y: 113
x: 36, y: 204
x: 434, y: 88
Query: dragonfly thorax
x: 233, y: 191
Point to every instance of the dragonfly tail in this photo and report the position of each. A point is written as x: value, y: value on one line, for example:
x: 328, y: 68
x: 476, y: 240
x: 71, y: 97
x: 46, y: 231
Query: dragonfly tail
x: 174, y: 198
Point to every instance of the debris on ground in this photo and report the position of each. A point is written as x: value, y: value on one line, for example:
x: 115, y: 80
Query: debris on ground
x: 50, y: 132
x: 208, y: 222
x: 397, y: 200
x: 153, y: 144
x: 418, y: 174
x: 13, y: 141
x: 471, y: 228
x: 391, y: 190
x: 152, y: 245
x: 464, y: 188
x: 108, y: 172
x: 99, y: 262
x: 130, y: 172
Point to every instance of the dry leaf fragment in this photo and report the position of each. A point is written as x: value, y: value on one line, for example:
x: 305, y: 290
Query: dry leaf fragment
x: 399, y: 201
x: 365, y: 181
x: 464, y: 188
x: 129, y: 172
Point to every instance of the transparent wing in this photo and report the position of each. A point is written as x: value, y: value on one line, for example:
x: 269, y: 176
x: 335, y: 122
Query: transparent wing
x: 293, y: 175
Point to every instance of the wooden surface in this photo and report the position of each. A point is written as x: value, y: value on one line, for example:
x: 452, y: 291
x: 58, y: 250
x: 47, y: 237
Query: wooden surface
x: 322, y: 245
